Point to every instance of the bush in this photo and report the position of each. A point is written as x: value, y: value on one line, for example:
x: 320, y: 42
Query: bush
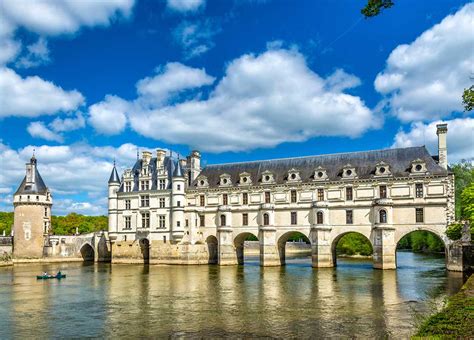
x: 454, y: 231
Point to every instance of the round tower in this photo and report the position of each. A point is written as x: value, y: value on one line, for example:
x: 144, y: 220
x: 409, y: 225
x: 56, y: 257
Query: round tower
x: 178, y: 201
x: 114, y: 185
x: 32, y: 217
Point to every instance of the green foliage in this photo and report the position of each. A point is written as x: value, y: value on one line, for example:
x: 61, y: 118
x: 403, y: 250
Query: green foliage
x: 468, y: 99
x: 354, y: 244
x: 374, y: 7
x: 455, y: 320
x: 66, y: 225
x: 6, y: 222
x: 298, y: 237
x: 251, y: 238
x: 464, y: 175
x: 454, y: 231
x: 467, y: 203
x: 421, y: 241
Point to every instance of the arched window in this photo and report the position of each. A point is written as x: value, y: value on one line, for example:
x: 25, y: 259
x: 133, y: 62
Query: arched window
x: 223, y: 220
x: 266, y: 219
x: 319, y: 217
x: 382, y: 216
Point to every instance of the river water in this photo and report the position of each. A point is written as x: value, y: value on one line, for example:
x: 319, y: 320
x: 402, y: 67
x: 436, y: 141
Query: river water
x: 294, y: 301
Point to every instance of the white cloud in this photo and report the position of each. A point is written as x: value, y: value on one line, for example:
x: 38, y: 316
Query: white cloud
x: 39, y: 130
x: 38, y: 54
x: 424, y: 80
x: 185, y: 5
x: 460, y: 138
x: 195, y: 37
x: 260, y: 102
x: 340, y: 81
x: 68, y: 124
x: 33, y: 96
x: 109, y: 116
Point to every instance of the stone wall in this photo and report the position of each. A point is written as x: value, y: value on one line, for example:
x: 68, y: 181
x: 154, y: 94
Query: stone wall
x: 28, y: 232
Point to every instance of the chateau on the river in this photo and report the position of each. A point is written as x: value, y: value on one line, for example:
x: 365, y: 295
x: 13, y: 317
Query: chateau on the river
x: 168, y: 210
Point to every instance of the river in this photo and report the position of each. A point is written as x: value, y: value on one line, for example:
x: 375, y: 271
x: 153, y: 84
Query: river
x: 294, y: 301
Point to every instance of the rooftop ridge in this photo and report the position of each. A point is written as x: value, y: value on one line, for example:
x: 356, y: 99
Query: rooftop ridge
x: 313, y: 156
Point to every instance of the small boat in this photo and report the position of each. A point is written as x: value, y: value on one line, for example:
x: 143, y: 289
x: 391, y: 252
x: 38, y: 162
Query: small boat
x: 46, y: 277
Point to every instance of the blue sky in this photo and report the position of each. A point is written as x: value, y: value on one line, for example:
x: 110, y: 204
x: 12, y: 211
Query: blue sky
x: 83, y: 83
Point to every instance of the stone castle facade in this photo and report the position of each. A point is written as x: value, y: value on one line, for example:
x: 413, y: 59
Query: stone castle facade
x: 166, y: 210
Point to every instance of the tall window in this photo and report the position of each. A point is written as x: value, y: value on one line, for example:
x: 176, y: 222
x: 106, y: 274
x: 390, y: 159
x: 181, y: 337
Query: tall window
x: 162, y: 221
x: 319, y: 217
x: 293, y: 196
x: 202, y: 201
x: 419, y: 190
x: 223, y: 220
x: 128, y: 186
x: 202, y: 221
x: 419, y: 215
x: 349, y: 194
x: 178, y: 187
x: 320, y: 194
x: 266, y: 219
x: 127, y: 205
x: 145, y: 220
x: 45, y: 212
x: 144, y: 201
x: 145, y: 185
x: 267, y: 196
x: 178, y: 203
x: 245, y: 198
x: 161, y: 184
x: 382, y: 216
x: 245, y: 219
x: 294, y: 218
x: 128, y: 222
x: 162, y: 202
x: 383, y: 191
x: 349, y: 219
x: 225, y: 199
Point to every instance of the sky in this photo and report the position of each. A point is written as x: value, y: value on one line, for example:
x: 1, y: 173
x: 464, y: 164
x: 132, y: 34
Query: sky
x: 84, y: 83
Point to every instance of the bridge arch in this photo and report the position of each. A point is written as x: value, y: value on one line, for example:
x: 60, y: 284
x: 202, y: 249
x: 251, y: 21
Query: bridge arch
x: 281, y: 243
x: 87, y: 252
x: 239, y: 240
x: 337, y: 238
x: 212, y: 249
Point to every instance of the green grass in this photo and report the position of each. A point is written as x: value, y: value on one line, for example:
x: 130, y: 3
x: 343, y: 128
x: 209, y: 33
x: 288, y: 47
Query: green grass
x: 455, y: 320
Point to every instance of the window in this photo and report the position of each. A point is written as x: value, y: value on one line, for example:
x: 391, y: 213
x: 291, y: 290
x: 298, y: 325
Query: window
x: 45, y: 227
x: 145, y: 201
x: 202, y: 201
x: 178, y: 203
x: 245, y: 198
x: 178, y: 187
x: 293, y: 196
x: 127, y: 204
x: 267, y: 196
x: 162, y: 202
x: 419, y: 190
x: 178, y: 224
x: 161, y: 184
x: 383, y: 191
x: 245, y: 219
x: 45, y: 212
x: 320, y: 194
x: 349, y: 219
x: 224, y: 199
x: 202, y: 221
x: 186, y: 223
x: 319, y: 217
x: 266, y: 219
x: 128, y: 186
x: 419, y: 215
x: 145, y: 185
x: 162, y: 221
x: 146, y: 220
x: 128, y: 222
x: 293, y: 218
x: 349, y: 194
x: 382, y: 216
x: 223, y: 221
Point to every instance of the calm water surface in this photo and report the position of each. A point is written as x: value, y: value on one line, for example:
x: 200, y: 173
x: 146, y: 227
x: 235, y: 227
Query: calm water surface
x: 295, y: 301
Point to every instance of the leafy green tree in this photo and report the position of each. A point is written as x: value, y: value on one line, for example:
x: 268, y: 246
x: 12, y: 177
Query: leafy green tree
x: 467, y: 203
x: 6, y: 222
x: 375, y: 7
x: 468, y: 99
x: 354, y: 244
x: 464, y: 175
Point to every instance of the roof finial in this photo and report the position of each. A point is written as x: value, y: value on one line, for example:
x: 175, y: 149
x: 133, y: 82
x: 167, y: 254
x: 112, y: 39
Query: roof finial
x: 114, y: 162
x: 34, y: 149
x: 138, y: 154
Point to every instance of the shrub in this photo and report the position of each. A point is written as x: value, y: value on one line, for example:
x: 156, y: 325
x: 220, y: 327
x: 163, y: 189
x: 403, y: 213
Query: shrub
x: 454, y: 231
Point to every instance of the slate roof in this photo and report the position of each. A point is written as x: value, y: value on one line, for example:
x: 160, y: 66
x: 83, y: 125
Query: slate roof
x: 36, y: 188
x: 364, y: 162
x: 114, y: 176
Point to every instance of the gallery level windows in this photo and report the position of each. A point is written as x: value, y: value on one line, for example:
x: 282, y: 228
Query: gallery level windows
x: 223, y: 220
x: 145, y: 185
x: 202, y: 221
x: 225, y: 199
x: 145, y: 220
x: 294, y: 218
x: 162, y: 202
x: 319, y: 217
x: 320, y: 194
x: 266, y: 219
x: 202, y: 201
x: 161, y: 184
x: 349, y: 194
x: 267, y: 196
x: 383, y: 191
x: 293, y: 196
x: 419, y: 215
x: 128, y: 222
x: 382, y: 216
x: 419, y: 190
x: 162, y: 221
x: 127, y: 205
x: 349, y: 217
x: 144, y: 201
x: 245, y: 219
x: 128, y: 186
x: 245, y: 198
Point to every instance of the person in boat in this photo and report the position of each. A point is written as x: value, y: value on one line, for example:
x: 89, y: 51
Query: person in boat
x: 59, y: 273
x: 45, y: 274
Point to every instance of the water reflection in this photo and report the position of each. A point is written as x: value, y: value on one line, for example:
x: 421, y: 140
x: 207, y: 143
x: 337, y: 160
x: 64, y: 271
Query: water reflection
x: 211, y: 301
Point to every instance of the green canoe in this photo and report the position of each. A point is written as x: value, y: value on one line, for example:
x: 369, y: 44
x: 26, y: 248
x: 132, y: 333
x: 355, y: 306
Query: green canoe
x: 46, y: 277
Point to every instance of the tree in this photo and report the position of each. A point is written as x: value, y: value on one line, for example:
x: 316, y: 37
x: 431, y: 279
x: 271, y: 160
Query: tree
x: 374, y: 7
x: 468, y: 99
x: 464, y: 175
x: 467, y: 203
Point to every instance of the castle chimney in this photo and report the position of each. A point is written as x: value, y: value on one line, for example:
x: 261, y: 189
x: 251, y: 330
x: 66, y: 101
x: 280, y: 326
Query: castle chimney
x: 160, y: 157
x: 193, y: 163
x: 442, y: 132
x: 146, y: 156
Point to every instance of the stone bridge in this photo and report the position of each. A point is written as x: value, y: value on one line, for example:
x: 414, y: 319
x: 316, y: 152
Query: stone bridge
x: 87, y: 247
x: 226, y: 244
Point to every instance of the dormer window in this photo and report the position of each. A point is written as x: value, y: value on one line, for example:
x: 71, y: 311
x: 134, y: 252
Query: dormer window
x: 293, y: 175
x: 245, y: 179
x: 349, y: 172
x: 225, y: 180
x: 202, y: 182
x: 267, y: 177
x: 382, y: 169
x: 418, y: 166
x: 320, y: 174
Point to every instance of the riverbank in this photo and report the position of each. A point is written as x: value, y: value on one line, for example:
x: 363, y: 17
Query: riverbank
x: 455, y: 320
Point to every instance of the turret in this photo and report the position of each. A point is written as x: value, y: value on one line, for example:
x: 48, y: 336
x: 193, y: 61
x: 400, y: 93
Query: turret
x: 178, y: 202
x: 194, y: 165
x: 114, y: 185
x: 442, y: 132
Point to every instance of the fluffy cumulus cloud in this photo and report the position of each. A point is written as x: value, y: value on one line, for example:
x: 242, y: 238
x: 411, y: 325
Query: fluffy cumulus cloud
x: 195, y: 37
x: 77, y: 174
x: 33, y: 96
x: 184, y: 6
x: 424, y: 80
x: 54, y: 130
x: 39, y: 130
x: 460, y: 138
x: 109, y: 116
x: 38, y: 54
x: 262, y: 101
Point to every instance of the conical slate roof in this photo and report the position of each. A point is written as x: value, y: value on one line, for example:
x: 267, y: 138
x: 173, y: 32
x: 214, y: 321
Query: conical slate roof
x: 178, y: 171
x: 38, y: 187
x: 114, y: 176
